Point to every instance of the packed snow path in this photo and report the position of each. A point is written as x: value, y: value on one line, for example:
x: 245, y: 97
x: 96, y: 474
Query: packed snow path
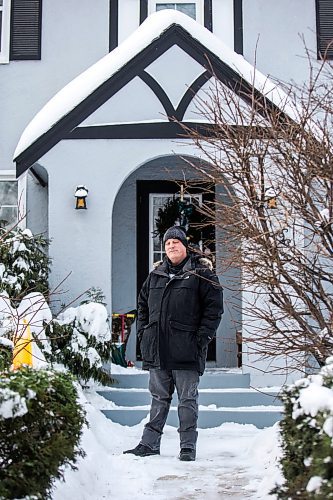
x: 233, y: 461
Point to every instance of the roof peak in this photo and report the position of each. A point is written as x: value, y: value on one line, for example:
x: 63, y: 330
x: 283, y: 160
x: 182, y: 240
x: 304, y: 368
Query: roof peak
x: 155, y: 27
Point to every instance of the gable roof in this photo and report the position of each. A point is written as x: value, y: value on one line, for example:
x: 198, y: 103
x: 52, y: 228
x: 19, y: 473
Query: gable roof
x: 92, y: 88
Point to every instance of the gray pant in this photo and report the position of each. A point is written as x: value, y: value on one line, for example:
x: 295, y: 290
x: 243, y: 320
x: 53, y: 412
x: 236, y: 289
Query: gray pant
x: 162, y: 384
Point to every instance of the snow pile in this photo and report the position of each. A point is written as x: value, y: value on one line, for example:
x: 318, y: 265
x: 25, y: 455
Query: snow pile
x: 91, y: 319
x: 266, y: 451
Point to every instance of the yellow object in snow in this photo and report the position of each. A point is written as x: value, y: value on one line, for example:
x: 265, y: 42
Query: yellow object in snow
x: 22, y: 354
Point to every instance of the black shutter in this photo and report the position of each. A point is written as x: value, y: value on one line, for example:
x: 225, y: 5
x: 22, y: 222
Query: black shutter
x: 324, y: 10
x: 26, y: 28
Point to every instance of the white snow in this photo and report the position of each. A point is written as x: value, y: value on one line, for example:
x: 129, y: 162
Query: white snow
x: 132, y: 370
x: 11, y: 404
x: 90, y: 318
x: 6, y: 342
x: 233, y: 460
x: 314, y: 484
x: 152, y: 28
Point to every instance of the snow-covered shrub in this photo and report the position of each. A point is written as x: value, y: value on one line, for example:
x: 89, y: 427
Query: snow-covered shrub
x: 40, y: 427
x: 81, y: 340
x: 24, y: 263
x: 307, y: 437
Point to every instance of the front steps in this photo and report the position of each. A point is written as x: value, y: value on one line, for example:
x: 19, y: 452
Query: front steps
x: 223, y: 397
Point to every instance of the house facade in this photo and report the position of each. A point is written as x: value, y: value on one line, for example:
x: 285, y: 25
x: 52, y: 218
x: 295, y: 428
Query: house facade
x: 118, y: 72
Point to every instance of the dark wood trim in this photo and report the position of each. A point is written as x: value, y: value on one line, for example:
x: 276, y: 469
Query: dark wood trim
x: 155, y: 130
x: 190, y: 94
x: 160, y: 94
x: 238, y: 26
x: 208, y: 15
x: 175, y: 34
x: 317, y: 29
x: 143, y: 10
x: 158, y: 130
x: 113, y: 24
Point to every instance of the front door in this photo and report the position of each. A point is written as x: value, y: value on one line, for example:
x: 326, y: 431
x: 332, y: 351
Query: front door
x: 151, y: 195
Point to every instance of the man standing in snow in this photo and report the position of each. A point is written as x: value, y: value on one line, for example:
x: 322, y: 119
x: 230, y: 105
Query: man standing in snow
x: 179, y: 310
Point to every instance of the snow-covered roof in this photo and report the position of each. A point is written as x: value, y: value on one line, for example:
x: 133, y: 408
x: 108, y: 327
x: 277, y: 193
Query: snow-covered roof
x: 68, y: 98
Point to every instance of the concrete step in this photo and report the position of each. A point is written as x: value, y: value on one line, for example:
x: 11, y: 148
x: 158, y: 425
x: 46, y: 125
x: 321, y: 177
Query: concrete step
x: 210, y: 380
x: 219, y: 397
x: 264, y: 416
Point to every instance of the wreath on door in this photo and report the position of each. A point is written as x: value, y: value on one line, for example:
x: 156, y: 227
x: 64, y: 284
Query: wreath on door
x: 183, y: 213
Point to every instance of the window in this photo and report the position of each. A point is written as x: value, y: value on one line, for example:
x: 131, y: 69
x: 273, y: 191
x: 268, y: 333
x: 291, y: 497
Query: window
x: 156, y: 201
x: 8, y: 203
x: 324, y: 10
x: 192, y: 9
x: 4, y: 30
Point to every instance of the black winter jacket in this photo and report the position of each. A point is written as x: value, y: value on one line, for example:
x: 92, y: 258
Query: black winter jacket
x: 178, y: 317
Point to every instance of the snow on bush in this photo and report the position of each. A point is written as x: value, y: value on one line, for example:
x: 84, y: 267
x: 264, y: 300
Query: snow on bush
x: 81, y: 340
x: 307, y: 436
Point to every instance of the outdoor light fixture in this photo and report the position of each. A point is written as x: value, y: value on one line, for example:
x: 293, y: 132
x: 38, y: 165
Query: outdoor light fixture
x: 270, y: 198
x: 81, y: 194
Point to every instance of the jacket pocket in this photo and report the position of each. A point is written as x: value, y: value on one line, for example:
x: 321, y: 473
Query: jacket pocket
x: 182, y: 342
x: 148, y: 343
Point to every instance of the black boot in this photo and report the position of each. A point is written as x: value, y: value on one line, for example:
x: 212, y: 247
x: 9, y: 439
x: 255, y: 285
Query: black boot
x: 142, y: 451
x: 187, y: 455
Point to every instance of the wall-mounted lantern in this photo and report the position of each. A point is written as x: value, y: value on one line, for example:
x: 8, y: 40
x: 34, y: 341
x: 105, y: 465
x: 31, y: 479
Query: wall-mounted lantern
x: 270, y: 197
x: 81, y: 194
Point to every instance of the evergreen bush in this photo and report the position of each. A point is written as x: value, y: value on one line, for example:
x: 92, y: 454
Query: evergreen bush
x: 307, y: 438
x: 24, y: 263
x: 40, y: 427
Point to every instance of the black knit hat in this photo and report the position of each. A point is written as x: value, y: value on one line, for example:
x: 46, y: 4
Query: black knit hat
x: 175, y: 233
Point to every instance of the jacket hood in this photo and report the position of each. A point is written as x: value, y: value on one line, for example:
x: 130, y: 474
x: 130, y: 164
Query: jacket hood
x: 195, y: 261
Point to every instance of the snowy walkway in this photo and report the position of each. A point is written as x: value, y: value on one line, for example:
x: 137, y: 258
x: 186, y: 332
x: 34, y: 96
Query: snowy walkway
x: 233, y: 461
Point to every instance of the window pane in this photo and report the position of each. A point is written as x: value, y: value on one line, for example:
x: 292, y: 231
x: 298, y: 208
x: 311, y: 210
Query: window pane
x: 8, y: 217
x: 162, y: 6
x: 8, y: 193
x: 187, y: 8
x: 1, y: 3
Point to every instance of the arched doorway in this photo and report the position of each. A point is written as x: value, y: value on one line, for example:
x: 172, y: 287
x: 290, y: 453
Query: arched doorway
x: 131, y: 242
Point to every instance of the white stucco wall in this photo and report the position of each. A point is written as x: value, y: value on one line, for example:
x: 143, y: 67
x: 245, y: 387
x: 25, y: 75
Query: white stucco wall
x: 223, y: 21
x: 74, y: 36
x: 129, y: 17
x: 273, y: 36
